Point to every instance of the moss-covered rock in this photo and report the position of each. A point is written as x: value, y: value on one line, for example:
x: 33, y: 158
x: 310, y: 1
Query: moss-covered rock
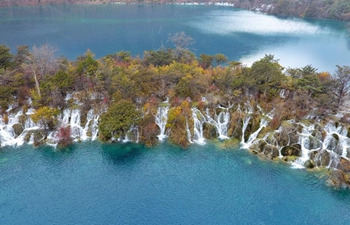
x: 39, y: 136
x: 209, y: 131
x: 290, y: 150
x: 253, y: 125
x: 264, y: 148
x: 235, y: 128
x: 271, y: 151
x: 335, y: 136
x: 344, y: 165
x: 291, y: 158
x: 319, y: 131
x: 18, y: 128
x: 309, y: 164
x: 339, y: 179
x: 314, y: 143
x: 258, y: 146
x: 321, y: 158
x: 297, y: 146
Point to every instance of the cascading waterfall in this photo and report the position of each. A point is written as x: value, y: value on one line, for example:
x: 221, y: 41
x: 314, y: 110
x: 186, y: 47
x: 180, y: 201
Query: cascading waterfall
x: 132, y: 135
x: 88, y: 131
x: 263, y: 123
x: 341, y: 134
x: 161, y: 120
x: 220, y: 121
x: 244, y: 127
x: 325, y: 146
x: 8, y: 136
x: 25, y: 127
x: 188, y: 132
x: 253, y: 136
x: 198, y: 122
x: 335, y: 144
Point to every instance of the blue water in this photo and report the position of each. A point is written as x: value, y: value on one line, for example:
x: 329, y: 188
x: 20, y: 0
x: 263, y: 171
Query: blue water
x: 241, y: 35
x: 95, y: 183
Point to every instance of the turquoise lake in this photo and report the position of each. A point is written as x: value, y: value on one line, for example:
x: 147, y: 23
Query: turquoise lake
x: 241, y: 35
x: 95, y: 183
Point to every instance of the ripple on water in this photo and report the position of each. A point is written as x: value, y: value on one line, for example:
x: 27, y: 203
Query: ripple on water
x: 103, y: 183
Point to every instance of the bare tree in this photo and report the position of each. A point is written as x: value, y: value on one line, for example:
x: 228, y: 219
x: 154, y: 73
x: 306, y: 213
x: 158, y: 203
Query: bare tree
x: 41, y: 62
x: 341, y: 84
x: 182, y: 43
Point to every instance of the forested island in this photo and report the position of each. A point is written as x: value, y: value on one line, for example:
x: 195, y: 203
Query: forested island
x: 298, y: 115
x: 330, y: 9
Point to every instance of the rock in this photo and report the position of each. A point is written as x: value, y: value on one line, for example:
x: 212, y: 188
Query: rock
x: 253, y: 125
x: 209, y: 131
x: 271, y: 151
x: 281, y: 138
x: 320, y: 157
x: 336, y: 136
x: 289, y: 158
x: 344, y: 165
x: 309, y: 164
x: 254, y: 152
x: 18, y: 128
x: 39, y: 136
x: 314, y: 143
x: 339, y: 179
x: 290, y: 150
x: 297, y: 146
x: 258, y: 146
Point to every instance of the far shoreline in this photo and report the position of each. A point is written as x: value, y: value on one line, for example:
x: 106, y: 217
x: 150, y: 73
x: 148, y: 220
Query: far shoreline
x: 260, y: 8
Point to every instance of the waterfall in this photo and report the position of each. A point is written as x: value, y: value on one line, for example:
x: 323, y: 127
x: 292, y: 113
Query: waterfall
x: 304, y: 141
x: 244, y: 127
x: 131, y: 136
x: 8, y: 136
x: 75, y: 124
x: 198, y: 122
x: 188, y: 132
x: 94, y: 127
x: 84, y: 132
x: 253, y: 136
x: 161, y: 120
x: 220, y: 122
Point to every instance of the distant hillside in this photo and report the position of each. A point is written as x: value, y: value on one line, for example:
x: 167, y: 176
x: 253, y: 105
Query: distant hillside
x: 332, y: 9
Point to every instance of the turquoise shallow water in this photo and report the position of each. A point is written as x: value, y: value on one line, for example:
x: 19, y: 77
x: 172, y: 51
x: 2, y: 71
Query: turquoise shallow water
x: 95, y: 183
x: 239, y: 34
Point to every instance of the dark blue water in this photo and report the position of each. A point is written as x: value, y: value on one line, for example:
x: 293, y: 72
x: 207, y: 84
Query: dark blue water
x: 95, y: 183
x: 239, y: 34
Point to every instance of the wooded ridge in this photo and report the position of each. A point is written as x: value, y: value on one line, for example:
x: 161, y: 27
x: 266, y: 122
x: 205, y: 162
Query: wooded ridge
x: 331, y: 9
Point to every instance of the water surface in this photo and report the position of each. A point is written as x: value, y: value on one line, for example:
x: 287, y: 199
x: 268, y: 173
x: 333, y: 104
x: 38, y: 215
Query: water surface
x: 95, y: 183
x: 241, y: 35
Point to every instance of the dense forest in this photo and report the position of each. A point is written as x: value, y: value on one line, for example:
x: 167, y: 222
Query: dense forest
x: 127, y: 92
x: 332, y: 9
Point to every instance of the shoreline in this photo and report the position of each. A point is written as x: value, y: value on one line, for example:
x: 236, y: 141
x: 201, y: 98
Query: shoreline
x: 269, y: 9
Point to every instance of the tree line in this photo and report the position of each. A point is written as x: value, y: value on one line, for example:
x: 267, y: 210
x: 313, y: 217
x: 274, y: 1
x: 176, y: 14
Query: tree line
x: 332, y: 9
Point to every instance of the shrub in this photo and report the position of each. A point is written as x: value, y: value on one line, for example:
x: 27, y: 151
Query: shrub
x: 64, y: 136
